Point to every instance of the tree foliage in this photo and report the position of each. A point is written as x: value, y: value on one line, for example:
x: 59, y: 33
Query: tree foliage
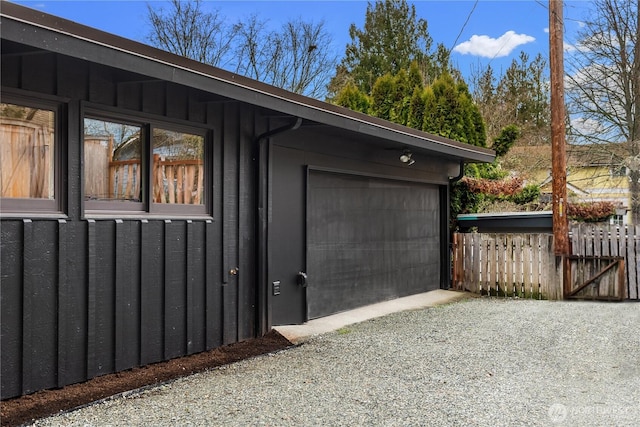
x: 603, y: 86
x: 486, y: 184
x: 295, y: 57
x: 444, y: 108
x: 507, y: 138
x: 452, y: 113
x: 392, y: 38
x: 519, y: 97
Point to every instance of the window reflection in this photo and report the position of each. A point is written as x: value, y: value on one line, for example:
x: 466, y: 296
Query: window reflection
x: 27, y: 138
x: 112, y: 161
x: 178, y: 175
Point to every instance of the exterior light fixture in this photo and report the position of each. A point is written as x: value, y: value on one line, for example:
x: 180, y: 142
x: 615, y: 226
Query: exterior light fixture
x: 406, y: 157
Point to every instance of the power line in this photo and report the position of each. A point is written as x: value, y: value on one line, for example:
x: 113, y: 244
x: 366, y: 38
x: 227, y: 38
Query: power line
x: 464, y: 25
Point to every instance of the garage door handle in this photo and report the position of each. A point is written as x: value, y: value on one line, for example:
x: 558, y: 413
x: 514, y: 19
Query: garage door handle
x: 302, y: 279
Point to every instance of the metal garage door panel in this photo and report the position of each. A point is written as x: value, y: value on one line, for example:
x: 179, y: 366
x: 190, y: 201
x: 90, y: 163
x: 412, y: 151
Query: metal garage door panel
x: 369, y: 240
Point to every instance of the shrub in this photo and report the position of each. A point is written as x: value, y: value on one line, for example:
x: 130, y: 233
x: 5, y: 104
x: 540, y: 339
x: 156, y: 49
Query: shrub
x: 529, y: 193
x: 590, y: 212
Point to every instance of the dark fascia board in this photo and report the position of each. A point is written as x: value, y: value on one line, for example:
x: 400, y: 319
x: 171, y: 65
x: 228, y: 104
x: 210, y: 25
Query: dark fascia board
x: 37, y: 29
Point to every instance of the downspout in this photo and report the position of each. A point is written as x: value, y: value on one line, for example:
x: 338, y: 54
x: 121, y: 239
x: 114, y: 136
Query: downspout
x: 460, y: 175
x: 446, y: 280
x: 263, y: 315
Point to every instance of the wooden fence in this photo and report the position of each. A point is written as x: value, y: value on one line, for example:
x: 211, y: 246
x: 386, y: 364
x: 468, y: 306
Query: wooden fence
x: 178, y: 181
x: 26, y: 159
x: 174, y: 181
x: 524, y: 265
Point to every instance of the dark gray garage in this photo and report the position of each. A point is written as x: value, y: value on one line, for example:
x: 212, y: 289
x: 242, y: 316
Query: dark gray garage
x: 349, y: 224
x: 369, y: 240
x: 155, y: 207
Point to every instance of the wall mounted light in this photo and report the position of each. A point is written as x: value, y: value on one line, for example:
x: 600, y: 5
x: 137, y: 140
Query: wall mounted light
x: 405, y: 157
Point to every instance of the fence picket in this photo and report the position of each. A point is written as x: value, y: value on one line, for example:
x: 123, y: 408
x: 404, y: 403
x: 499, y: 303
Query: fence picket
x: 492, y: 273
x: 535, y: 263
x: 502, y: 257
x: 575, y: 240
x: 477, y: 264
x: 633, y: 261
x: 484, y: 264
x: 597, y: 241
x: 467, y: 266
x: 526, y: 266
x: 508, y: 281
x: 547, y: 275
x: 622, y: 251
x: 588, y: 243
x: 517, y: 264
x: 457, y: 260
x: 613, y: 251
x: 606, y: 233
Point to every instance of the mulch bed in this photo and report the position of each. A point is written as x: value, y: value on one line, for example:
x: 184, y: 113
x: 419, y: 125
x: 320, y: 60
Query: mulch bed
x: 26, y: 409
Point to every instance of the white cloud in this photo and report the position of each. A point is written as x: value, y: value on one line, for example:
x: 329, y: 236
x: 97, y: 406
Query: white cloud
x: 488, y: 47
x: 582, y: 126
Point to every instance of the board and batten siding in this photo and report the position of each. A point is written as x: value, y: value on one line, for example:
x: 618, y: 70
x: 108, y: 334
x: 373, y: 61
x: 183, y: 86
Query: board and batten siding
x: 84, y: 296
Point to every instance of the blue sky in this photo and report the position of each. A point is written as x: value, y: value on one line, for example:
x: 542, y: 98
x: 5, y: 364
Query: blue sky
x: 479, y: 32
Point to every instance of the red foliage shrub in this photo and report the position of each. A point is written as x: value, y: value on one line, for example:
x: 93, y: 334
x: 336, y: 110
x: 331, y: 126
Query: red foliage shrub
x: 590, y: 212
x: 503, y: 187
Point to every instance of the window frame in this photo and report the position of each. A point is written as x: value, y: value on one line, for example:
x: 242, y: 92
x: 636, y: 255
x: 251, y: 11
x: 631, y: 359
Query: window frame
x: 54, y: 206
x: 147, y: 207
x: 109, y: 205
x: 617, y: 220
x: 178, y: 208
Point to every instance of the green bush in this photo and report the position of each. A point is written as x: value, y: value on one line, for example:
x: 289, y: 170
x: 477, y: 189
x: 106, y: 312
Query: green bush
x: 529, y: 193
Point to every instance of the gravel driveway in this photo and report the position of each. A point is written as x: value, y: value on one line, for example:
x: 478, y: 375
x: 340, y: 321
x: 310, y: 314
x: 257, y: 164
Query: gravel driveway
x: 479, y: 362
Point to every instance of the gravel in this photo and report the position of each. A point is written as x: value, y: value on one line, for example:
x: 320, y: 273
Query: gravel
x: 479, y: 362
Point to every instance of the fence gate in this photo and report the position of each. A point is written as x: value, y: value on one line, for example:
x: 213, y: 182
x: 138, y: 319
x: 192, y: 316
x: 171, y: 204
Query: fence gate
x: 594, y: 277
x: 608, y: 243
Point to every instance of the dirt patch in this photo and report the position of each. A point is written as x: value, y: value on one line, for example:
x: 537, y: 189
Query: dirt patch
x: 25, y: 409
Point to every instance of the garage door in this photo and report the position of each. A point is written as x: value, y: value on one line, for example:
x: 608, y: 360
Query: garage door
x: 369, y: 240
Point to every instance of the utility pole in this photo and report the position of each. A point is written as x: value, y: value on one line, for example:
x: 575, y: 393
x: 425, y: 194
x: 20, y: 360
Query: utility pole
x: 558, y: 145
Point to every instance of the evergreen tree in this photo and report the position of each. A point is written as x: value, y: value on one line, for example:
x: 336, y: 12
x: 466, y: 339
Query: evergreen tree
x: 452, y: 113
x: 391, y: 39
x: 382, y: 97
x: 351, y: 97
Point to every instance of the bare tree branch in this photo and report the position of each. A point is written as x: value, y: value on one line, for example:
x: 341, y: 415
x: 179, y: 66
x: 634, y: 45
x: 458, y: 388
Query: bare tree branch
x: 603, y: 88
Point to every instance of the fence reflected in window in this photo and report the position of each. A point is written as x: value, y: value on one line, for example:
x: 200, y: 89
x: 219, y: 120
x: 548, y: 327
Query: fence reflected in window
x: 27, y: 138
x: 178, y: 174
x: 112, y: 161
